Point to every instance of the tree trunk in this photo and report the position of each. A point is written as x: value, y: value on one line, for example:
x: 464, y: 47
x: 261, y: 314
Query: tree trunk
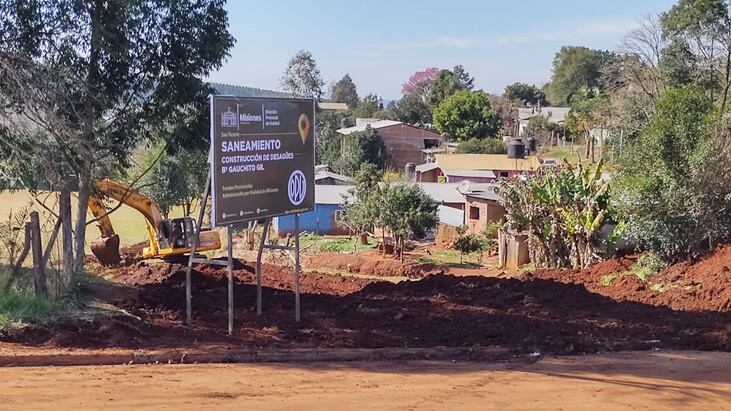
x: 81, y: 209
x: 67, y: 235
x: 588, y: 143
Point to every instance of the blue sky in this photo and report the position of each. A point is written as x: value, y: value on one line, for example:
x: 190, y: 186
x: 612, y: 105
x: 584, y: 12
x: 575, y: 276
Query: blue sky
x: 380, y: 43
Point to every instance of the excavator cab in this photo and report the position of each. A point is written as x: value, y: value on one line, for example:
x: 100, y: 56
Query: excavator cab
x: 182, y: 232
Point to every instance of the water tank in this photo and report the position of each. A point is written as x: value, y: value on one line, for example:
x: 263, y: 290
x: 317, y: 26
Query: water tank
x: 516, y: 149
x: 532, y: 145
x: 410, y: 170
x: 344, y: 122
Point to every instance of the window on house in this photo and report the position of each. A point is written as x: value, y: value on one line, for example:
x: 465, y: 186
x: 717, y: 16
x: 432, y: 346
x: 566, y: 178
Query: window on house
x: 431, y: 143
x: 339, y: 215
x: 503, y: 174
x: 474, y: 213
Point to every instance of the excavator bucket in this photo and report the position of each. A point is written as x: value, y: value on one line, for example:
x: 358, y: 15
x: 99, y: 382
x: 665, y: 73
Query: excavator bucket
x: 106, y: 250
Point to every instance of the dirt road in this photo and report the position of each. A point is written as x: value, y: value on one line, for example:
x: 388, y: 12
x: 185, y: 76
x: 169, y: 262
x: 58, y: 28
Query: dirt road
x: 641, y: 380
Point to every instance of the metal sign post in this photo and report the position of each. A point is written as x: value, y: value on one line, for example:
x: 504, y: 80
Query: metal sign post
x: 262, y: 165
x: 297, y: 268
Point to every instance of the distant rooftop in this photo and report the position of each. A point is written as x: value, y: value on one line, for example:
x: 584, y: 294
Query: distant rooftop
x: 553, y: 114
x: 376, y: 124
x: 485, y: 162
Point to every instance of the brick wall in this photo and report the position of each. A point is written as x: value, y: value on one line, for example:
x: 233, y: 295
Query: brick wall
x: 404, y: 144
x: 479, y: 213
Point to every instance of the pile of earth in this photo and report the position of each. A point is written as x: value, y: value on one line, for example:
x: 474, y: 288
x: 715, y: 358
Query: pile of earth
x: 701, y: 285
x: 373, y: 265
x: 560, y: 314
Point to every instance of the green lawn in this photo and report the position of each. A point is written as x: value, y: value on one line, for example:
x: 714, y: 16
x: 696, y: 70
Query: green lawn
x: 127, y: 222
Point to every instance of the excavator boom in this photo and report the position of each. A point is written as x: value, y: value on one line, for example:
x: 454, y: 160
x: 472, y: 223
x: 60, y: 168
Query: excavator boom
x: 167, y: 238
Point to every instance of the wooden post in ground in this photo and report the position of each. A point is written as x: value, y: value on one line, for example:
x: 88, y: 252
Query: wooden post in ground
x: 67, y: 236
x: 39, y: 277
x: 23, y: 255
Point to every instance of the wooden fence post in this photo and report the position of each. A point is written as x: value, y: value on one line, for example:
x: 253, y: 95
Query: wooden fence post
x: 23, y: 254
x: 39, y: 278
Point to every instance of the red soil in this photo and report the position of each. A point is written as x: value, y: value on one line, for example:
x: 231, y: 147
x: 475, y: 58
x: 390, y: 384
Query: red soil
x: 550, y: 311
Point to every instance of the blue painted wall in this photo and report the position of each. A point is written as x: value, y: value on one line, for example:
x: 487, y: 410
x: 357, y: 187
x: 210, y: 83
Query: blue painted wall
x: 319, y: 221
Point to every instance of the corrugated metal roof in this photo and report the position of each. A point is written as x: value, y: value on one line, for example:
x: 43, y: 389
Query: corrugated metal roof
x: 443, y: 192
x: 422, y: 168
x: 450, y: 216
x: 327, y: 106
x: 374, y: 125
x: 327, y: 194
x: 485, y: 162
x: 469, y: 173
x: 553, y: 114
x: 321, y: 174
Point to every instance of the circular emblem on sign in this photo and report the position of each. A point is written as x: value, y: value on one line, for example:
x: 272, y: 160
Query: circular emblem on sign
x: 296, y: 187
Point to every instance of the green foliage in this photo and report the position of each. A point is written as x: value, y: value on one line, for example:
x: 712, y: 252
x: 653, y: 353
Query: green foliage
x: 672, y: 184
x: 361, y: 208
x: 176, y: 179
x: 467, y: 115
x: 406, y: 211
x: 561, y: 210
x: 302, y: 76
x: 524, y: 93
x: 345, y: 91
x: 542, y: 129
x: 678, y: 63
x: 468, y: 244
x: 328, y: 141
x: 19, y: 306
x: 368, y: 107
x: 361, y: 147
x: 647, y: 265
x: 447, y: 83
x: 575, y: 68
x: 607, y: 280
x: 410, y: 109
x: 482, y: 146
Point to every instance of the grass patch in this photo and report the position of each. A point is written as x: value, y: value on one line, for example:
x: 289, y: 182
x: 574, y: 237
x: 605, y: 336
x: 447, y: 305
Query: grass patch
x: 609, y: 278
x: 334, y: 244
x: 20, y: 306
x: 647, y: 265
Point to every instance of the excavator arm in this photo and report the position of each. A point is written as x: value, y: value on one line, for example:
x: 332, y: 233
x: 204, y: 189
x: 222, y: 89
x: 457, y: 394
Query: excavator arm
x: 166, y: 238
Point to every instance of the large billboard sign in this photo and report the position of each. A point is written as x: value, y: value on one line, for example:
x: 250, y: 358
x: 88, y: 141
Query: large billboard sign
x: 262, y: 157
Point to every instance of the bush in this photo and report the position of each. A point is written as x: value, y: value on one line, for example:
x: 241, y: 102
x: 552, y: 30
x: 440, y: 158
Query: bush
x: 482, y: 146
x: 24, y: 306
x: 672, y: 184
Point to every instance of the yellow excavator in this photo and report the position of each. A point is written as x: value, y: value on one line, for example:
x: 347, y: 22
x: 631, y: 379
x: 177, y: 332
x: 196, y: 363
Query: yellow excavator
x: 168, y: 238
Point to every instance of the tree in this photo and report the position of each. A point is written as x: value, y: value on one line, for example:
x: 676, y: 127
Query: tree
x: 562, y: 210
x: 468, y: 243
x: 410, y: 109
x: 482, y: 146
x: 671, y: 185
x: 467, y: 115
x: 542, y: 129
x: 447, y: 83
x: 83, y: 83
x: 174, y: 179
x: 704, y: 25
x: 328, y: 149
x: 588, y: 111
x: 525, y: 94
x: 368, y: 107
x: 419, y: 84
x: 505, y: 111
x: 302, y: 76
x: 361, y: 209
x: 575, y: 68
x: 361, y: 147
x: 407, y: 212
x: 344, y: 91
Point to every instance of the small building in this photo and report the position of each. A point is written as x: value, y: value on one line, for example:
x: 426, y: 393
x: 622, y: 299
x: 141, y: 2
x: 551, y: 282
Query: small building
x: 475, y: 168
x: 323, y: 220
x: 324, y: 176
x: 556, y: 115
x: 482, y: 207
x: 404, y: 143
x: 446, y: 194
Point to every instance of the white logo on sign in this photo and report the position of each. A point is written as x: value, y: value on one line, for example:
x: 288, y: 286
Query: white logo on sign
x: 297, y: 187
x: 228, y: 119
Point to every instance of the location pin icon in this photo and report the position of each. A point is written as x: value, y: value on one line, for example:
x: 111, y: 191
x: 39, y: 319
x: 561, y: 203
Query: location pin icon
x: 303, y: 123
